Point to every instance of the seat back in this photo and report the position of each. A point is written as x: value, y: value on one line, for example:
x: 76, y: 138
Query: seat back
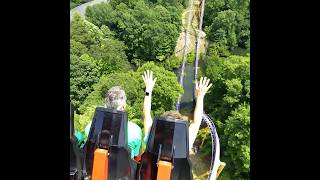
x: 109, y: 131
x: 121, y: 166
x: 168, y: 141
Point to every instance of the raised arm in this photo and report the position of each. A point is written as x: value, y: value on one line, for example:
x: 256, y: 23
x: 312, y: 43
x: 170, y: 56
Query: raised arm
x: 149, y: 83
x: 201, y: 89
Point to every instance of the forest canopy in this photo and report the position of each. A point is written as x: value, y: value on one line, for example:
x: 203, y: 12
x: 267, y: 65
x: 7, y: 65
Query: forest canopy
x: 136, y: 25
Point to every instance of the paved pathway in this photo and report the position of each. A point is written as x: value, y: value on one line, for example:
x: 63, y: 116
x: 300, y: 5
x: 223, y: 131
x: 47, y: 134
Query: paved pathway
x: 82, y: 8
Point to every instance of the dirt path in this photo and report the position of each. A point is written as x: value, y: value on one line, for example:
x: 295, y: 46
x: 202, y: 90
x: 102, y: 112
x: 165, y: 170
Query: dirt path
x: 191, y: 41
x: 200, y: 166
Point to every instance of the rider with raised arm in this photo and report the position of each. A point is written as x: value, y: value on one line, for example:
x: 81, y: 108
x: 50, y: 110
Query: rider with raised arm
x: 201, y: 89
x: 116, y: 98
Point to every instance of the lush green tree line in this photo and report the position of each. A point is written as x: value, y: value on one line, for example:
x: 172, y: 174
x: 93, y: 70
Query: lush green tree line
x: 93, y: 52
x: 228, y: 103
x: 150, y: 31
x: 227, y: 24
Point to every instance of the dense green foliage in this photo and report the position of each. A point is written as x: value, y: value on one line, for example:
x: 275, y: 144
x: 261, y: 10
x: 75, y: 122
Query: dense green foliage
x: 227, y: 24
x: 190, y: 58
x: 84, y: 72
x: 227, y: 64
x: 231, y: 84
x: 236, y: 138
x: 171, y: 63
x: 149, y: 31
x: 93, y: 52
x: 229, y: 104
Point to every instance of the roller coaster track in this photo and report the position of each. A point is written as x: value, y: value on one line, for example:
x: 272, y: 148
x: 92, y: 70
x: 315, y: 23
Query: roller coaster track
x: 185, y: 52
x: 215, y: 156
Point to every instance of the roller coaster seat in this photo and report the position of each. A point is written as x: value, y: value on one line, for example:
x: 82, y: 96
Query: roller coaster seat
x: 108, y: 132
x: 167, y: 147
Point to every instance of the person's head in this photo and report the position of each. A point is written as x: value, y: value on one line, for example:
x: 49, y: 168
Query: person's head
x: 104, y: 138
x: 115, y: 98
x: 174, y: 115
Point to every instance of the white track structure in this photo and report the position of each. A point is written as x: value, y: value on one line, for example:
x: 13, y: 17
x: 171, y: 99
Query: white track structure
x: 216, y: 165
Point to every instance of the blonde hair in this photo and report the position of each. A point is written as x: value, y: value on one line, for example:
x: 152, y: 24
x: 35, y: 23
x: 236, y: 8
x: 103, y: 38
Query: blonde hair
x: 174, y: 115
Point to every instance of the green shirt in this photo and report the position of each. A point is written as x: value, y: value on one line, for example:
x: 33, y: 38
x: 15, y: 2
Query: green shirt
x: 134, y: 137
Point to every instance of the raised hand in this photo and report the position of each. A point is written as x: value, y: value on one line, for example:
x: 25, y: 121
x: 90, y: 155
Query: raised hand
x: 148, y: 80
x: 203, y: 86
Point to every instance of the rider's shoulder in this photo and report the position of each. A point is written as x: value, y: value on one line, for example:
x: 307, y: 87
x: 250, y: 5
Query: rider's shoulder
x: 133, y: 125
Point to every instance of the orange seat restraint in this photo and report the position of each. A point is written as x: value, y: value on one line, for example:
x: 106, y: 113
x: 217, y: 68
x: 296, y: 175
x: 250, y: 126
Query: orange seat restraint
x: 100, y: 165
x: 164, y: 170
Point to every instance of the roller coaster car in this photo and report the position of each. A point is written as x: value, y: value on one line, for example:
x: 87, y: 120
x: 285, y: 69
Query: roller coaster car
x: 167, y: 153
x: 106, y: 152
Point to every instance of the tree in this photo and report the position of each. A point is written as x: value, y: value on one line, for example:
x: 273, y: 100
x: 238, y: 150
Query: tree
x: 224, y: 24
x: 237, y: 138
x: 76, y: 48
x: 84, y: 32
x: 149, y: 32
x: 101, y: 14
x: 171, y: 63
x: 81, y: 120
x: 111, y: 54
x: 227, y: 24
x: 84, y: 72
x: 229, y: 104
x: 159, y: 47
x: 93, y: 52
x: 230, y: 77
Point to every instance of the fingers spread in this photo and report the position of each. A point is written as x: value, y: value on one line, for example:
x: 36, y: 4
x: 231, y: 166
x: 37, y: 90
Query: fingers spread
x: 151, y: 75
x: 145, y: 74
x: 207, y: 83
x: 209, y: 86
x: 154, y: 81
x: 144, y: 80
x: 200, y: 83
x: 197, y: 86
